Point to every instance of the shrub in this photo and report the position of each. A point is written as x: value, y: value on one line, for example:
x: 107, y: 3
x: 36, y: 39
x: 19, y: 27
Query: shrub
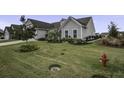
x: 28, y: 48
x: 122, y: 42
x: 70, y: 40
x: 105, y: 42
x: 54, y: 41
x: 41, y: 39
x: 110, y: 41
x: 54, y: 36
x: 75, y: 41
x: 64, y: 39
x: 2, y: 37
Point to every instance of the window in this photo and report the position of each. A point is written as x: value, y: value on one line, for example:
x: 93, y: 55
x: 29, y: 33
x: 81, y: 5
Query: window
x: 75, y: 33
x: 66, y: 33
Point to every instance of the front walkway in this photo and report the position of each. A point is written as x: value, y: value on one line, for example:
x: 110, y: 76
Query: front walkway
x: 14, y: 42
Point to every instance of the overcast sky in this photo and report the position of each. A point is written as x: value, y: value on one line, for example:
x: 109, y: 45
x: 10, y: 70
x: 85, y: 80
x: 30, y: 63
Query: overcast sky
x: 101, y: 22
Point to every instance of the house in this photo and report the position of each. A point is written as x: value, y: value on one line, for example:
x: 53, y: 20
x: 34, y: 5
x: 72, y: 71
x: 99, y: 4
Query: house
x: 70, y: 27
x: 13, y: 32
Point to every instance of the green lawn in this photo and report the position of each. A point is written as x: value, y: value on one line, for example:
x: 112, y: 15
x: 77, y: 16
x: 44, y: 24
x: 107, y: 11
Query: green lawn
x: 77, y: 61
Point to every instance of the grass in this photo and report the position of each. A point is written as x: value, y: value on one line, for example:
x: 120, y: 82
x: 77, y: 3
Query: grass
x: 75, y: 60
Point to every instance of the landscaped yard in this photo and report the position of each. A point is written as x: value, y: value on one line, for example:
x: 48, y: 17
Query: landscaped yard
x: 75, y: 60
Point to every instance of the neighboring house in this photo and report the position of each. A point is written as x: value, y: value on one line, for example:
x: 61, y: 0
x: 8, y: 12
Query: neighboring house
x: 97, y: 34
x: 13, y: 32
x: 104, y: 34
x: 8, y: 33
x: 17, y: 31
x: 1, y: 34
x: 121, y: 34
x: 70, y: 27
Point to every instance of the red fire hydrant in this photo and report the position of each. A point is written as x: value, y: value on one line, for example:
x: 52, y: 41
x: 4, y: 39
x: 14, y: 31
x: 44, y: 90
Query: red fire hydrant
x: 104, y: 59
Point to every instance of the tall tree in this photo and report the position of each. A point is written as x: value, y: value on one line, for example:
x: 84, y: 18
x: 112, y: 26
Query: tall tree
x: 113, y: 29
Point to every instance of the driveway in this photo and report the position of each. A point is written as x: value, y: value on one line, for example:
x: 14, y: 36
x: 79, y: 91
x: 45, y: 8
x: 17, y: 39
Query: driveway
x: 14, y: 42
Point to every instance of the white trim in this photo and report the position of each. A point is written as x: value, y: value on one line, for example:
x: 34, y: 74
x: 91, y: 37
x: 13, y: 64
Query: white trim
x: 72, y: 20
x: 76, y: 22
x: 81, y: 32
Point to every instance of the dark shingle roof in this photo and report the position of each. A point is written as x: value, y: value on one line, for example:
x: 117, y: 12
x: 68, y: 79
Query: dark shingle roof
x: 44, y: 25
x: 1, y: 31
x: 17, y: 27
x: 84, y: 21
x: 40, y: 24
x: 55, y: 25
x: 8, y: 29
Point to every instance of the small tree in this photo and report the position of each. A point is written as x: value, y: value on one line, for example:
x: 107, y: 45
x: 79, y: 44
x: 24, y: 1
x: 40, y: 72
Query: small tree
x: 53, y: 36
x: 27, y: 32
x: 113, y: 30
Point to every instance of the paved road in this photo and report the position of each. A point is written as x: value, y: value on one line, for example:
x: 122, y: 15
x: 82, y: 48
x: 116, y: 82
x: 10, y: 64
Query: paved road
x: 14, y: 42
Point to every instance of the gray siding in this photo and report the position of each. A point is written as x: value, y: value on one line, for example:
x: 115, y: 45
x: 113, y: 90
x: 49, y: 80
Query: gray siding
x: 90, y: 28
x: 6, y: 35
x: 40, y: 34
x: 70, y: 26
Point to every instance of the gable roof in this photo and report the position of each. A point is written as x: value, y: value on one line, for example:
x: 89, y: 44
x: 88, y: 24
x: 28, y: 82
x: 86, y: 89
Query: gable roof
x: 40, y: 24
x: 81, y: 21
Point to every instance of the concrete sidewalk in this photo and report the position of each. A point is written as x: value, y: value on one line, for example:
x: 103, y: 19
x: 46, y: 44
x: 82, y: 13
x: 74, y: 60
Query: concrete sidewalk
x: 14, y: 42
